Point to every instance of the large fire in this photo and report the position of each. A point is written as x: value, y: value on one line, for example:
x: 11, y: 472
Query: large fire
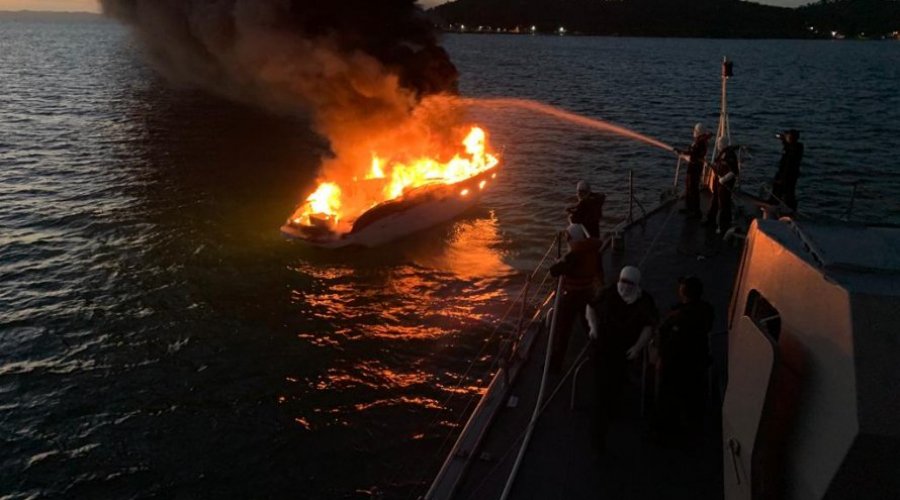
x: 336, y: 205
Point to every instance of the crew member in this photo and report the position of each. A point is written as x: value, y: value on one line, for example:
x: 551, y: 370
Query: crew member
x: 684, y: 361
x: 621, y: 318
x: 726, y: 170
x: 784, y: 185
x: 696, y: 157
x: 579, y: 271
x: 588, y: 210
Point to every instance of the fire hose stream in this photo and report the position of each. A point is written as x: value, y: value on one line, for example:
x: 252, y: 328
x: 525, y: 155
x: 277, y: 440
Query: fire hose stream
x: 568, y: 116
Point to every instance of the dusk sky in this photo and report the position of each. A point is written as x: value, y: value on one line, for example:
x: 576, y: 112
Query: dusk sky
x: 93, y: 5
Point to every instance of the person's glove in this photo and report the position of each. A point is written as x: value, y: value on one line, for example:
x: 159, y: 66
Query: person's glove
x: 591, y: 316
x: 633, y: 352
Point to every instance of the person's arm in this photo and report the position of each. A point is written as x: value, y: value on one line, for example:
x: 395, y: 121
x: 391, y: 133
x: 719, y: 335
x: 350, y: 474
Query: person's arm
x: 593, y: 322
x: 598, y: 206
x: 793, y: 163
x: 641, y: 343
x: 652, y: 319
x: 561, y: 267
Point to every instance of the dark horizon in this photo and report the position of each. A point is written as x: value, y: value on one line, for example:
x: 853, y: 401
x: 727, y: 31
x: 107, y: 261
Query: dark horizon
x: 679, y: 18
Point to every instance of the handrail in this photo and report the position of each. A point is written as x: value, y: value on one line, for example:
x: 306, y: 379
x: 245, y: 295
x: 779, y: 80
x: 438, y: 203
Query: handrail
x: 513, y: 345
x: 531, y: 289
x: 511, y: 479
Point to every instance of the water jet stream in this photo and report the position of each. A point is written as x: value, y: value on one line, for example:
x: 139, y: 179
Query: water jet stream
x: 566, y: 116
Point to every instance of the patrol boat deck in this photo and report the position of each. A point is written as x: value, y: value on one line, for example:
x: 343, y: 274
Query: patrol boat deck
x: 804, y: 335
x: 560, y: 461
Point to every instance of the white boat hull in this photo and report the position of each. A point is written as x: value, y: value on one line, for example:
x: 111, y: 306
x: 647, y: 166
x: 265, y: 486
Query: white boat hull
x: 397, y: 219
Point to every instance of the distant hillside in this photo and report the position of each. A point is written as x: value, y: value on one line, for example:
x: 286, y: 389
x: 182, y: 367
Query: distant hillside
x: 853, y: 17
x: 699, y: 18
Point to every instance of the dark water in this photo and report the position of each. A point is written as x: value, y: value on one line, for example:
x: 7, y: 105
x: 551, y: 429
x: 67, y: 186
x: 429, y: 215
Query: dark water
x: 159, y: 338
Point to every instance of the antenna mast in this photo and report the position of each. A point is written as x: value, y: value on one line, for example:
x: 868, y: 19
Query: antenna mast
x: 723, y: 135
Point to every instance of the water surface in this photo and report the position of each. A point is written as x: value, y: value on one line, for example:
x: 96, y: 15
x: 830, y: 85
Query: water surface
x: 159, y: 337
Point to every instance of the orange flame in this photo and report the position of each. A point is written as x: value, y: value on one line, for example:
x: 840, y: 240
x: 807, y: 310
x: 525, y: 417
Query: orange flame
x: 386, y: 179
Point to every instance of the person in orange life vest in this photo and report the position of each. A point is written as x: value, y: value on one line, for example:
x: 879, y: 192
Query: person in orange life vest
x: 725, y: 168
x: 578, y: 269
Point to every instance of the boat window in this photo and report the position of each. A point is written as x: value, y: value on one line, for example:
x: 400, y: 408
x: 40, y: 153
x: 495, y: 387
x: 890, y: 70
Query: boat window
x: 763, y: 314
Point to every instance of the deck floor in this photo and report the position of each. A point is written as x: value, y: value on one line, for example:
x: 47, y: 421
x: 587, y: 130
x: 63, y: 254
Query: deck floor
x: 561, y: 462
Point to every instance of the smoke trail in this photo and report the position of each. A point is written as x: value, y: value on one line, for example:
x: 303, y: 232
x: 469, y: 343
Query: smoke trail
x: 357, y: 67
x: 567, y: 116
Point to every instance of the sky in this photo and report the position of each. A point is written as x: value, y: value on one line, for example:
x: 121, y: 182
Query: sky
x: 783, y: 3
x: 93, y: 5
x: 59, y: 5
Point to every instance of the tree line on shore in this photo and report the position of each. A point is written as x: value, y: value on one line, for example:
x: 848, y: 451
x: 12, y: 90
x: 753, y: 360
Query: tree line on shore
x: 694, y: 18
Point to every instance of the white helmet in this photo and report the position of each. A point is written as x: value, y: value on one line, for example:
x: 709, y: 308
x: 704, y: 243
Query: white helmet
x: 583, y: 187
x: 699, y: 130
x: 631, y: 274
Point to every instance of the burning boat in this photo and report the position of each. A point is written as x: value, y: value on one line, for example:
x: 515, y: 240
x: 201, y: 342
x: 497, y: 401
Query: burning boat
x: 397, y: 198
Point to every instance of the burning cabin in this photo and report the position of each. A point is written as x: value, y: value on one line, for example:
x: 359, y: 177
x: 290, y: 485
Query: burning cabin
x: 408, y: 198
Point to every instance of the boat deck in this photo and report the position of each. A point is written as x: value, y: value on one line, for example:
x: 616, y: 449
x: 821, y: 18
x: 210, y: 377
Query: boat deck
x: 560, y: 461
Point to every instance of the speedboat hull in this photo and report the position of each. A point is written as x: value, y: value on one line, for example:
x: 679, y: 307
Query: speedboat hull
x: 420, y: 209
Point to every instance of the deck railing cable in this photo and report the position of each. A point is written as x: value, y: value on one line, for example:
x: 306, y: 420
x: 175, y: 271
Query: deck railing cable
x: 543, y: 294
x: 540, y: 405
x: 521, y: 297
x: 543, y: 407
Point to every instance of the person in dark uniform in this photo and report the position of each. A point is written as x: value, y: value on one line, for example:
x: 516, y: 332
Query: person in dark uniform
x: 696, y: 157
x: 588, y: 210
x: 784, y: 186
x: 725, y: 169
x: 683, y: 361
x: 622, y: 318
x: 578, y: 269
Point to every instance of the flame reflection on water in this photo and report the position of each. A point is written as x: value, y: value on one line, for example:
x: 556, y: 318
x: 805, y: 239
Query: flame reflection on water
x: 379, y: 306
x: 471, y: 251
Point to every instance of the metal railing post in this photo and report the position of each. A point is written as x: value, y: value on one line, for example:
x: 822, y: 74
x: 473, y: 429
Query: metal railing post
x: 631, y: 196
x: 522, y: 309
x: 677, y: 174
x: 575, y: 382
x: 852, y: 201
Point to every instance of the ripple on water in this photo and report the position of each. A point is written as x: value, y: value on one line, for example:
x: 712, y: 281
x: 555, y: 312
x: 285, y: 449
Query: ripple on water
x: 160, y: 339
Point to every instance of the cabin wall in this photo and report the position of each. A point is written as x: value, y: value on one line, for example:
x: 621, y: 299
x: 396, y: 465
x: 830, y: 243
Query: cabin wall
x: 815, y: 346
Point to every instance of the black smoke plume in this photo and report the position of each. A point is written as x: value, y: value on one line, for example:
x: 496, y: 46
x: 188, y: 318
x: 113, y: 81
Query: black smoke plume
x: 359, y: 67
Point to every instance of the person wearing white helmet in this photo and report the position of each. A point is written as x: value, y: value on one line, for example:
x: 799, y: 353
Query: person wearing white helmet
x: 726, y: 167
x: 622, y: 318
x: 578, y: 269
x: 696, y: 157
x: 588, y: 210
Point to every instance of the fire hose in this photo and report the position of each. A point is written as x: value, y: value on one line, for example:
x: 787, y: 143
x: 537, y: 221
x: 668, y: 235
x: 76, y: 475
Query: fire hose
x: 537, y: 406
